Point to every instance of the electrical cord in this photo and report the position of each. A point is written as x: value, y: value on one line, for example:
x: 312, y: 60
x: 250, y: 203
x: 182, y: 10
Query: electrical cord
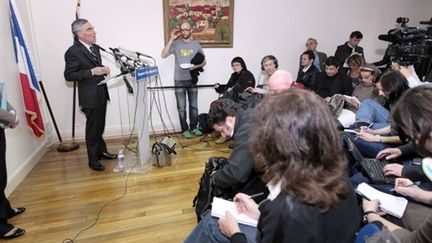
x: 69, y: 240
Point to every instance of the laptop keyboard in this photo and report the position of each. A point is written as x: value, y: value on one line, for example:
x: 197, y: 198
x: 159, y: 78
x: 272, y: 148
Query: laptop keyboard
x: 373, y: 168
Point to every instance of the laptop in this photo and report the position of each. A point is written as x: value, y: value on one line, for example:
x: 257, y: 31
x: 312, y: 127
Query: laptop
x: 371, y: 168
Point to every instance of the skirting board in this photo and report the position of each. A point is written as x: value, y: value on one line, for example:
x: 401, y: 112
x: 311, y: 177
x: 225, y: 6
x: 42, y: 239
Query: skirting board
x: 16, y: 178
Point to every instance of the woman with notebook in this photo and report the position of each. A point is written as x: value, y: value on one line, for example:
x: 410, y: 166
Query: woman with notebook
x: 413, y: 118
x: 296, y: 145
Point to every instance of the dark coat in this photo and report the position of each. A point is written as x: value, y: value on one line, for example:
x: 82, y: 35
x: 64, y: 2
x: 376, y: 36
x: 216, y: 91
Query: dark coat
x: 241, y: 163
x: 285, y: 219
x: 344, y: 51
x: 308, y: 78
x: 197, y: 60
x: 79, y: 62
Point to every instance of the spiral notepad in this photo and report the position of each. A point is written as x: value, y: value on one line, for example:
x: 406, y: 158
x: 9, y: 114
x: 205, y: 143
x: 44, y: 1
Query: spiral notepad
x: 388, y: 203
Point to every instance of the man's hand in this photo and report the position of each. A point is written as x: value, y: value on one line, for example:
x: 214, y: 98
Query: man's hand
x: 393, y: 169
x: 389, y: 153
x: 100, y: 71
x: 175, y: 33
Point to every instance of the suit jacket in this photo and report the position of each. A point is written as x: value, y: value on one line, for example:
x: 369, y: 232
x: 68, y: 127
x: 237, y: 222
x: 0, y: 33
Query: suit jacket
x: 241, y: 162
x: 322, y: 58
x: 344, y: 51
x: 79, y: 62
x: 308, y: 78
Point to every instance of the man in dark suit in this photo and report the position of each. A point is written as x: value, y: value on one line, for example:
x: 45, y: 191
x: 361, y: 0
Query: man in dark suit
x: 307, y: 72
x: 350, y: 47
x: 84, y: 65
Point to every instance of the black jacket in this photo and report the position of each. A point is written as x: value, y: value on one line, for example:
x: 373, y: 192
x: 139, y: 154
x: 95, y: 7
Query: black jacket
x: 344, y: 51
x: 285, y: 219
x: 241, y: 163
x: 197, y: 60
x: 308, y: 78
x: 79, y: 62
x: 326, y: 86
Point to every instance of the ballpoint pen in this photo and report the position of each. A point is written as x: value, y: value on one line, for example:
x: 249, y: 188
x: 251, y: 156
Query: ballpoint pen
x: 409, y: 185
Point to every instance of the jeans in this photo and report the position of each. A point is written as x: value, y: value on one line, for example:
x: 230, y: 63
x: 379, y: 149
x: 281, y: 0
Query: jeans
x: 189, y: 89
x: 368, y: 149
x: 208, y: 231
x: 372, y: 112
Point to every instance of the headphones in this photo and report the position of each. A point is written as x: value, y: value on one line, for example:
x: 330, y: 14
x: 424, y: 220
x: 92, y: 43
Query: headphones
x: 269, y: 57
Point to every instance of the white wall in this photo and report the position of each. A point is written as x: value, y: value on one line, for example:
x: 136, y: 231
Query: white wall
x: 23, y: 149
x: 278, y: 27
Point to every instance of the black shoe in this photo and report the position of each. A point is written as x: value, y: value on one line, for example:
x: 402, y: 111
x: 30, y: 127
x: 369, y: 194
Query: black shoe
x: 96, y: 166
x: 106, y: 155
x: 12, y: 233
x: 16, y: 211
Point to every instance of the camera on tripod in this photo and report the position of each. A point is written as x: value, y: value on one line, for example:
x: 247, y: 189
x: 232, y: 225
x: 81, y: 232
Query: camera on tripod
x: 409, y: 45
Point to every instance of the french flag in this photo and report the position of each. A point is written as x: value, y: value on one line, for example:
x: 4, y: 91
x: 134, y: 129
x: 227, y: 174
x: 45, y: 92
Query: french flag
x: 28, y: 78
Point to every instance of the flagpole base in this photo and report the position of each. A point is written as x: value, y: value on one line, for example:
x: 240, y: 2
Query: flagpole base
x: 67, y: 146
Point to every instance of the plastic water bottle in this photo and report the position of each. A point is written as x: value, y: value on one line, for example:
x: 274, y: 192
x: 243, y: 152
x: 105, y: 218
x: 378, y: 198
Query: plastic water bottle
x: 120, y: 160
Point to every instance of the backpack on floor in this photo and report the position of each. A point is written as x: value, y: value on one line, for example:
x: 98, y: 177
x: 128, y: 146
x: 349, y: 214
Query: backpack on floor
x: 206, y: 191
x: 203, y: 123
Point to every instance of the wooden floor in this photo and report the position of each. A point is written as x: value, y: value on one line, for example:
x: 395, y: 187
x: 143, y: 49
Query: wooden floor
x: 63, y: 196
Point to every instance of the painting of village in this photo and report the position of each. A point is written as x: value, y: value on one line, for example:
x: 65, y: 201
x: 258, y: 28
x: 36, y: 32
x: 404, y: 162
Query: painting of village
x: 211, y: 20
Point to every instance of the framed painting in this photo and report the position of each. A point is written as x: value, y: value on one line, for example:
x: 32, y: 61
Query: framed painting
x: 211, y: 20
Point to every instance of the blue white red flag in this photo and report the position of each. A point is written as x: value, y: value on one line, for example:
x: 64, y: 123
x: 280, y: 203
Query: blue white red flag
x: 27, y: 73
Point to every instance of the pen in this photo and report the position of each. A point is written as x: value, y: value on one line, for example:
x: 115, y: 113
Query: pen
x: 256, y: 195
x: 410, y: 185
x: 361, y: 194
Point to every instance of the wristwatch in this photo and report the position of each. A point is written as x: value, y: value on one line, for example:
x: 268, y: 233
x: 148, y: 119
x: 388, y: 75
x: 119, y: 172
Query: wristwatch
x: 365, y: 215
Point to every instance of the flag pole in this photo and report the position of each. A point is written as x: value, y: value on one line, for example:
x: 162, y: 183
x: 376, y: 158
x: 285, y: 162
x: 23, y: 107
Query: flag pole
x: 72, y: 145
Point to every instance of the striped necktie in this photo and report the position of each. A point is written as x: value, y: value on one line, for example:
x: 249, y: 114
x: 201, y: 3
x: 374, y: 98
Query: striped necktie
x: 93, y: 52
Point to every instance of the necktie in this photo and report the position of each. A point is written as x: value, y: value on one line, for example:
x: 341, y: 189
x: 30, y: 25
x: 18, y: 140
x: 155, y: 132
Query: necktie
x: 93, y: 52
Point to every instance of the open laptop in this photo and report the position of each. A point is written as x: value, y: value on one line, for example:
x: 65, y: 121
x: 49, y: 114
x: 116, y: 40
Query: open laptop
x: 371, y: 168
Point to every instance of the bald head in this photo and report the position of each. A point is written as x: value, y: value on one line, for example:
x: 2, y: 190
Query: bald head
x: 280, y: 80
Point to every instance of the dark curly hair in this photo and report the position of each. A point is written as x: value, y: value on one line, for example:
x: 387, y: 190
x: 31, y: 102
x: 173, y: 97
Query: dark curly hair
x: 295, y: 141
x: 221, y: 109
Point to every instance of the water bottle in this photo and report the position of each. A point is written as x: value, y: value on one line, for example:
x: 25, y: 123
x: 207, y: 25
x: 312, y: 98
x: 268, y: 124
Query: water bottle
x: 120, y: 160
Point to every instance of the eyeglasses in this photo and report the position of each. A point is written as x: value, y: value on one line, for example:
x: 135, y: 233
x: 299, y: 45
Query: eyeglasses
x: 185, y: 30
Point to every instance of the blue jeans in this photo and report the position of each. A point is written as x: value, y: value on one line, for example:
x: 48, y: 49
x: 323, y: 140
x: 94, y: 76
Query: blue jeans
x: 368, y: 149
x: 189, y: 89
x: 371, y: 111
x: 208, y: 231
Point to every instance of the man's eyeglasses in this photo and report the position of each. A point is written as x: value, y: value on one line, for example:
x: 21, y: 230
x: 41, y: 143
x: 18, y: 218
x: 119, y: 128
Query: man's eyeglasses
x: 185, y: 30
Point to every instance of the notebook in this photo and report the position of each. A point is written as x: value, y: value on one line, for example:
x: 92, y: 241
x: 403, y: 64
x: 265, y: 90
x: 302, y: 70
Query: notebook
x: 220, y: 206
x: 390, y: 204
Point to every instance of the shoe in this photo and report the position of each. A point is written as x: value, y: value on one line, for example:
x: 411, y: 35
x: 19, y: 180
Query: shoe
x: 187, y: 134
x: 97, y: 166
x: 106, y: 155
x: 221, y: 140
x: 231, y: 146
x: 197, y: 132
x: 16, y: 211
x: 12, y: 233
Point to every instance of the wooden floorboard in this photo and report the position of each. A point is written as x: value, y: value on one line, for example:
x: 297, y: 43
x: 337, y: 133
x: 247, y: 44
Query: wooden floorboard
x: 63, y: 196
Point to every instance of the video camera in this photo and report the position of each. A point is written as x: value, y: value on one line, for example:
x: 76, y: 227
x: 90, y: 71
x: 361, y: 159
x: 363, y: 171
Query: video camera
x: 409, y: 45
